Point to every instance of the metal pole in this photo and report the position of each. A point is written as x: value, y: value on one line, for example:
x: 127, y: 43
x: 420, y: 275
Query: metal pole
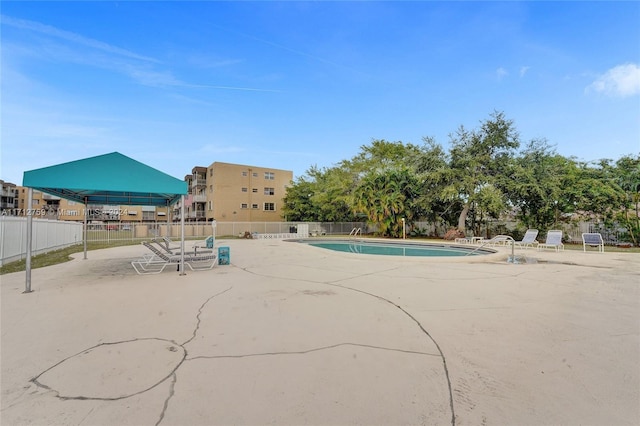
x: 86, y: 213
x: 182, y: 235
x: 168, y: 220
x: 27, y: 284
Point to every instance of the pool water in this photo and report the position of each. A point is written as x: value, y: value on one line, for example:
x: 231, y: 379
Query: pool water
x: 396, y: 249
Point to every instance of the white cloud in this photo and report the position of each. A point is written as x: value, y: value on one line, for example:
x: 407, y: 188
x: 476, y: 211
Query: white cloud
x: 72, y: 37
x: 501, y: 73
x: 523, y: 70
x: 621, y: 81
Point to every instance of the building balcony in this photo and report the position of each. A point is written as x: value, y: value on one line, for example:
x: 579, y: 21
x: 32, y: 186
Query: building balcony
x: 196, y: 215
x: 198, y: 182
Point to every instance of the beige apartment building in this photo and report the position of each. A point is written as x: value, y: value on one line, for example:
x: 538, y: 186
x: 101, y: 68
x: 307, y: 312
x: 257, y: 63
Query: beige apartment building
x: 223, y: 191
x: 45, y: 206
x: 235, y: 193
x: 8, y: 197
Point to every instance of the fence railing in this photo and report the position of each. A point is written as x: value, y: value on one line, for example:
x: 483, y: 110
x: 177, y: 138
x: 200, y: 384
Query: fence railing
x: 47, y: 235
x: 53, y: 234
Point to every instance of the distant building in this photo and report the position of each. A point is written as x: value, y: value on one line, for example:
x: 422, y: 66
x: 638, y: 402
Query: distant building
x: 235, y: 193
x: 45, y: 206
x: 224, y: 192
x: 8, y: 196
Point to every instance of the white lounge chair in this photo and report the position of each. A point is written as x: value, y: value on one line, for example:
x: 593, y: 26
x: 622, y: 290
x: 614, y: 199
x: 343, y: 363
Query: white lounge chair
x: 529, y: 239
x: 554, y: 241
x: 498, y: 240
x: 592, y: 239
x: 161, y: 260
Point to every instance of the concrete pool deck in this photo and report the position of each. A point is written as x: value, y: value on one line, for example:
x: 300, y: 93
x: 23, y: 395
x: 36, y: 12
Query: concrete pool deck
x: 290, y: 334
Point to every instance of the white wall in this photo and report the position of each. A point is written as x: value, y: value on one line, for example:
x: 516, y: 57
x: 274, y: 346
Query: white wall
x: 48, y: 235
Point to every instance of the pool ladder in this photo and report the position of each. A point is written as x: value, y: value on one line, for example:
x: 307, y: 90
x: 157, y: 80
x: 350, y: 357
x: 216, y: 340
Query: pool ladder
x: 354, y: 232
x: 503, y: 238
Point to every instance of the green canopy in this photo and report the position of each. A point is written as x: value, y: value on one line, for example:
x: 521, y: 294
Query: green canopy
x: 112, y: 179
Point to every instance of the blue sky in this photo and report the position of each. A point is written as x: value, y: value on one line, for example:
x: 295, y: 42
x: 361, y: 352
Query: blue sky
x: 290, y: 85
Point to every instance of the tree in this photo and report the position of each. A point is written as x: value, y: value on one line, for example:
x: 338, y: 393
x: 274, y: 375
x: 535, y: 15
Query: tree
x: 323, y: 195
x: 533, y: 183
x: 627, y: 176
x: 298, y: 203
x: 381, y: 155
x: 433, y: 174
x: 386, y: 197
x: 477, y: 158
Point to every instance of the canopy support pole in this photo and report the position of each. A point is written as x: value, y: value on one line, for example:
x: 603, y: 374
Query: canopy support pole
x: 214, y: 225
x: 27, y: 284
x: 84, y: 231
x: 182, y: 235
x: 168, y: 219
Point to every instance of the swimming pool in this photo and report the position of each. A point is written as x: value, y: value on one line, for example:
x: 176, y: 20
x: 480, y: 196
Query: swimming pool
x: 404, y: 248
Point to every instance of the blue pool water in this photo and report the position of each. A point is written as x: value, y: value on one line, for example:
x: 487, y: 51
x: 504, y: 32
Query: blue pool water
x: 396, y: 249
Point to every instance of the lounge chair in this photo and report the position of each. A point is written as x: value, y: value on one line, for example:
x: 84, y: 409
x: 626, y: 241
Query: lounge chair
x: 462, y: 240
x: 529, y: 239
x: 553, y: 241
x: 161, y: 260
x: 592, y: 239
x: 469, y: 240
x: 498, y: 240
x: 165, y: 245
x: 168, y: 243
x: 206, y: 244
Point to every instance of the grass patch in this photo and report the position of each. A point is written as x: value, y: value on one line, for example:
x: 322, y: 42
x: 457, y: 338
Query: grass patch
x: 58, y: 256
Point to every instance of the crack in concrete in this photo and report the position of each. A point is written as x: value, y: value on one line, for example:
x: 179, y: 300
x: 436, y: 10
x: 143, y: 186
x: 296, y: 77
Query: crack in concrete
x: 172, y: 386
x: 444, y: 360
x: 193, y: 336
x: 307, y: 351
x: 335, y: 284
x: 117, y: 398
x: 195, y: 330
x: 172, y: 374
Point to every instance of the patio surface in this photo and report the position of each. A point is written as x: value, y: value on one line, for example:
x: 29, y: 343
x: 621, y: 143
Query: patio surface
x: 290, y: 334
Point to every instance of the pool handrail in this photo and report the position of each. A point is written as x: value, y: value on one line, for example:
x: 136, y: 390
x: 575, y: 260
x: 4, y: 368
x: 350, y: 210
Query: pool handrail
x: 495, y: 239
x: 354, y: 232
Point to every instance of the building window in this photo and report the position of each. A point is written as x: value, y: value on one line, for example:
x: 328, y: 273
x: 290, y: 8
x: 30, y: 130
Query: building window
x: 244, y: 174
x: 244, y: 189
x: 254, y: 206
x: 254, y: 190
x: 269, y: 175
x: 269, y: 191
x: 210, y: 172
x: 243, y: 205
x: 255, y: 174
x: 210, y: 189
x: 270, y: 207
x: 210, y: 205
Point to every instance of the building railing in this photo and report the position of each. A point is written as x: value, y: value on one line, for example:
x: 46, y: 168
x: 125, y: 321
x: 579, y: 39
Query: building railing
x: 198, y: 182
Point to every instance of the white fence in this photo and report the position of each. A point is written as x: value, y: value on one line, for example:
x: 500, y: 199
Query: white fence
x: 52, y: 234
x: 47, y: 235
